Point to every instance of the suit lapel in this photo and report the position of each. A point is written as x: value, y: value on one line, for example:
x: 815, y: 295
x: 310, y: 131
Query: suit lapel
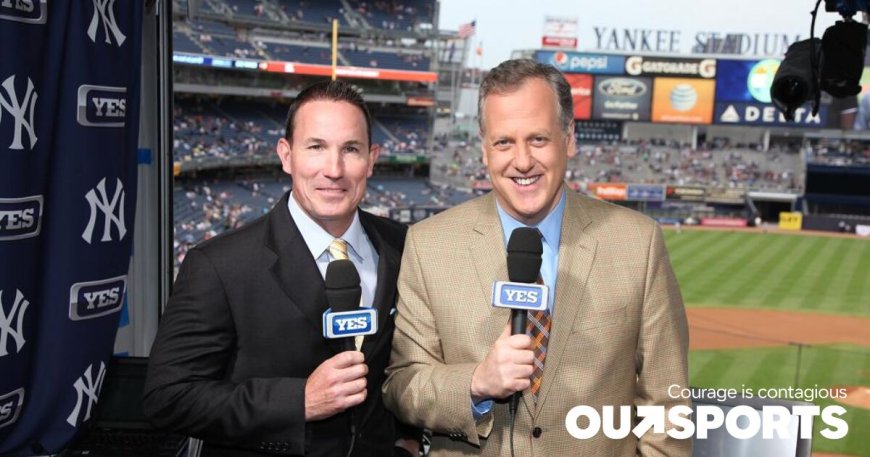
x: 489, y: 258
x: 388, y: 271
x: 294, y: 269
x: 488, y: 252
x: 576, y: 255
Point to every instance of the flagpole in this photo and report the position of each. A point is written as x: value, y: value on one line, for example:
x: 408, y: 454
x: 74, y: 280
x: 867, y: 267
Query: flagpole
x: 334, y: 48
x: 453, y: 104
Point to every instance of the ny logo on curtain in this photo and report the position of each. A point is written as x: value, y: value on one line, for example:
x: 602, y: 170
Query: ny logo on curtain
x: 69, y: 118
x: 21, y: 111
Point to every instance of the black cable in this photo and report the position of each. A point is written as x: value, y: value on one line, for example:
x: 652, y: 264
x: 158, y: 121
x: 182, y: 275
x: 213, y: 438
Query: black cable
x: 814, y: 65
x: 513, y: 413
x: 352, y: 434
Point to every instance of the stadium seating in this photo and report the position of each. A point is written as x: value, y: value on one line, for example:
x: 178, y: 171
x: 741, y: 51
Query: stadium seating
x: 391, y: 60
x: 296, y: 53
x: 212, y: 27
x: 630, y: 162
x: 205, y: 130
x: 229, y: 128
x: 395, y: 15
x: 313, y: 11
x: 183, y: 43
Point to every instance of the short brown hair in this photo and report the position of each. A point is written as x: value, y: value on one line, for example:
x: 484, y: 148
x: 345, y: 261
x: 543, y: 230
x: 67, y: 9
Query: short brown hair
x: 511, y: 74
x: 335, y: 91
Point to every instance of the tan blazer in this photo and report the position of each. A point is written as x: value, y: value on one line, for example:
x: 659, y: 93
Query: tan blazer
x: 619, y: 334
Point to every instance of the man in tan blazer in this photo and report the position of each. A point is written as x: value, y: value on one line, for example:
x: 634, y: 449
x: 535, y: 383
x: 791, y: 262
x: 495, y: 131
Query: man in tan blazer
x: 616, y: 326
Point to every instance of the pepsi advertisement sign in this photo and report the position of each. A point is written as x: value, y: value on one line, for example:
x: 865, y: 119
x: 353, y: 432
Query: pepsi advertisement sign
x: 581, y: 62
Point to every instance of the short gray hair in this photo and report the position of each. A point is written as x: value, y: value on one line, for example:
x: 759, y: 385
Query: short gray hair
x: 511, y: 74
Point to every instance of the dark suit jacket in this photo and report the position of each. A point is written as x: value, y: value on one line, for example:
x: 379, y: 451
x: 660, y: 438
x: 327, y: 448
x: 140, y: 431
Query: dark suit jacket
x: 242, y: 333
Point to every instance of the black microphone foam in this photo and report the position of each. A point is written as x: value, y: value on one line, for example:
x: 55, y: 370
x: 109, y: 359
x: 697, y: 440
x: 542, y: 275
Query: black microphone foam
x: 524, y: 257
x: 524, y: 252
x: 343, y: 289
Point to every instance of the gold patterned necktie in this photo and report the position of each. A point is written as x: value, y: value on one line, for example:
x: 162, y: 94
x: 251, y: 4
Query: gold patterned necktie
x: 338, y: 251
x: 538, y: 328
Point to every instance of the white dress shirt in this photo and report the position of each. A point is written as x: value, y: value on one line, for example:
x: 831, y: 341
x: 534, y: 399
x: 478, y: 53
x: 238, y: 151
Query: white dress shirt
x: 360, y: 250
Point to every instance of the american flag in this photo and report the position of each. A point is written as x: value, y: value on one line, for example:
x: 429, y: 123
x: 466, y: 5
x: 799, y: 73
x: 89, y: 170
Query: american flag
x: 467, y: 29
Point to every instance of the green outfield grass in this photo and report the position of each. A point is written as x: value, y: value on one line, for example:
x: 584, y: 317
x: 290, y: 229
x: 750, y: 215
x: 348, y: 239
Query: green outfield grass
x: 773, y: 271
x: 755, y: 270
x: 821, y: 366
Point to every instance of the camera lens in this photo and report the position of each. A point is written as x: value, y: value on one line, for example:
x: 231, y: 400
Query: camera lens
x: 790, y: 90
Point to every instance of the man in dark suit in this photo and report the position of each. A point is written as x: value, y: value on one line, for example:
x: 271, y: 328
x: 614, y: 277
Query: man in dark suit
x: 240, y: 360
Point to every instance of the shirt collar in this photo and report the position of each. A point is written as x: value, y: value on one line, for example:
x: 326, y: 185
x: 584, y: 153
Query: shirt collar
x: 550, y: 227
x: 317, y: 239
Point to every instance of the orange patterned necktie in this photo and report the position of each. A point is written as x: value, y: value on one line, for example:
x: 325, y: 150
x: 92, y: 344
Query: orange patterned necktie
x: 538, y: 328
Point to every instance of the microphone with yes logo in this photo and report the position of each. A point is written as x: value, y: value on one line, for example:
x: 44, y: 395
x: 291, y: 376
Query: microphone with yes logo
x: 345, y: 319
x: 521, y: 294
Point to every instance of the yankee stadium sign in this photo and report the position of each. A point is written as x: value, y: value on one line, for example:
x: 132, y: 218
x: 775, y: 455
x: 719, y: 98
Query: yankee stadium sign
x: 702, y: 42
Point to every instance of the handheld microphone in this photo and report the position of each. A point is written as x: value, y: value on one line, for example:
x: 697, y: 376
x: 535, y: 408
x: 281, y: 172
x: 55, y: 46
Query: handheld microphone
x: 344, y: 318
x: 521, y: 294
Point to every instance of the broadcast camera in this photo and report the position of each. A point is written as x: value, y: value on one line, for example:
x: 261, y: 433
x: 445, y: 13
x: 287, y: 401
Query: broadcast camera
x: 833, y: 64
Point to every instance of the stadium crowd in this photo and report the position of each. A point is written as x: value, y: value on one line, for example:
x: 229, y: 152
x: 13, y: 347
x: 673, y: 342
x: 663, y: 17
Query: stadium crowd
x: 839, y: 153
x: 656, y: 162
x: 205, y: 209
x: 213, y: 131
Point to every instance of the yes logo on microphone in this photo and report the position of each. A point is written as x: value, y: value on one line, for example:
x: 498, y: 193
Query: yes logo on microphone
x: 344, y: 324
x: 517, y: 295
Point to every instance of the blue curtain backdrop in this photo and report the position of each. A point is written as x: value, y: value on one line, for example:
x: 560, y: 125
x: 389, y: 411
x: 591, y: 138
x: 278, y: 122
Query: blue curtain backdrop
x: 69, y: 89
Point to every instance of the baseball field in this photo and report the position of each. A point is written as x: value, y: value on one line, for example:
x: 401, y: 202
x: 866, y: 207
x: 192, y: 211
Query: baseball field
x: 776, y: 310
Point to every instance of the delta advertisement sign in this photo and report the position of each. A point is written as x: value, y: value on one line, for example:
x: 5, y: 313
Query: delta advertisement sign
x: 743, y: 96
x: 581, y: 62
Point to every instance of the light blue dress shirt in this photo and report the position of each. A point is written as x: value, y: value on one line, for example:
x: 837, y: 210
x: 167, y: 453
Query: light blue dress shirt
x: 551, y: 229
x: 360, y: 250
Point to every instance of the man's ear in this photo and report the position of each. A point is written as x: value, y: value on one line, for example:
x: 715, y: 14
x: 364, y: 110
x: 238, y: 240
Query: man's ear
x: 571, y: 141
x: 374, y: 153
x: 284, y: 150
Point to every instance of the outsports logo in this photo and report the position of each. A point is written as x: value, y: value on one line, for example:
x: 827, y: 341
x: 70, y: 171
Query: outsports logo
x: 745, y: 414
x: 741, y: 422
